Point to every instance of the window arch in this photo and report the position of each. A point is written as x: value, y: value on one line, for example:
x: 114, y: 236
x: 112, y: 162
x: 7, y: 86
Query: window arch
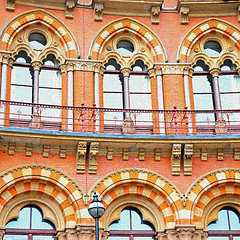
x: 227, y: 227
x: 30, y: 225
x: 131, y: 226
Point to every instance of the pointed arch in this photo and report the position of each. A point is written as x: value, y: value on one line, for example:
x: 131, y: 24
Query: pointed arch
x: 211, y: 25
x: 208, y: 188
x: 128, y: 24
x: 154, y: 188
x: 25, y: 182
x: 56, y: 27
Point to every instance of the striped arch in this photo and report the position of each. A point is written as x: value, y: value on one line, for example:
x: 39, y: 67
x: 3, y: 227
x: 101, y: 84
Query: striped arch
x: 227, y: 30
x: 55, y: 26
x: 48, y: 182
x: 211, y: 186
x: 144, y: 184
x: 127, y: 24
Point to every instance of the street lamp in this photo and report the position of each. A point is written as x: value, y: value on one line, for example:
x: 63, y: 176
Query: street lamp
x: 96, y: 210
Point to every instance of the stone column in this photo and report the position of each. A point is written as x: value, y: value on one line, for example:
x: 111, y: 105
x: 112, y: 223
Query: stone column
x: 126, y: 72
x: 70, y: 81
x: 187, y: 73
x: 160, y: 99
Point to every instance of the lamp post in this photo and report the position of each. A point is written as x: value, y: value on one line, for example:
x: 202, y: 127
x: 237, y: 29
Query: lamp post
x: 96, y: 210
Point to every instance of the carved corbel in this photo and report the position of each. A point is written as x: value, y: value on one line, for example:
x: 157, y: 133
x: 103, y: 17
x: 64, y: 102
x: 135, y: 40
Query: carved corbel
x: 175, y: 159
x: 86, y: 199
x: 28, y: 150
x: 81, y: 156
x: 11, y: 148
x: 155, y: 11
x: 236, y: 154
x: 46, y: 149
x: 110, y: 153
x: 10, y: 6
x: 157, y: 154
x: 203, y: 154
x: 158, y: 70
x: 70, y: 4
x: 98, y: 11
x: 184, y: 15
x: 220, y: 154
x: 187, y: 161
x: 141, y: 154
x: 92, y: 161
x: 184, y: 200
x: 62, y: 151
x: 125, y: 154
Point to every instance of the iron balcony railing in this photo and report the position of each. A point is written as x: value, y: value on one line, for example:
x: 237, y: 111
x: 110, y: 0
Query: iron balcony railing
x: 119, y: 121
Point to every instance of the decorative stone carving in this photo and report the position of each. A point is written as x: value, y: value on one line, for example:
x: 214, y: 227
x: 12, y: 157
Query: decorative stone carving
x: 184, y: 15
x: 151, y: 72
x: 103, y: 234
x: 46, y: 149
x: 125, y: 154
x: 35, y: 123
x: 157, y: 154
x: 61, y: 235
x: 36, y: 65
x: 86, y: 199
x: 128, y: 126
x: 83, y: 65
x: 98, y: 11
x: 220, y: 154
x: 62, y: 151
x: 175, y: 159
x: 70, y: 4
x: 10, y: 6
x: 155, y: 15
x: 92, y: 161
x: 184, y: 200
x: 126, y: 71
x: 11, y: 148
x: 187, y: 160
x: 203, y: 154
x: 109, y: 153
x: 141, y: 154
x: 221, y: 127
x: 2, y: 232
x: 85, y: 232
x: 171, y: 68
x: 81, y: 156
x: 236, y: 154
x: 215, y: 72
x: 28, y: 149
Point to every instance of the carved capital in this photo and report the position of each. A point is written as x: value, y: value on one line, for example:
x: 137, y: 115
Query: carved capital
x: 81, y: 156
x: 61, y: 235
x: 10, y: 6
x: 188, y: 71
x: 184, y: 15
x: 151, y: 72
x: 98, y: 11
x: 92, y: 161
x: 187, y: 160
x: 103, y: 234
x: 155, y: 11
x: 2, y: 232
x: 36, y: 65
x: 99, y: 68
x: 85, y: 232
x: 5, y: 56
x: 175, y: 159
x: 63, y: 68
x: 126, y: 71
x: 215, y: 72
x: 158, y: 70
x: 70, y: 66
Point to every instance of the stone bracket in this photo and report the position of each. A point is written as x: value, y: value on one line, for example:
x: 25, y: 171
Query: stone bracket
x: 125, y: 154
x: 62, y: 151
x: 176, y: 158
x: 81, y: 156
x: 28, y: 150
x: 187, y: 159
x: 155, y: 11
x: 11, y: 148
x: 220, y: 154
x: 157, y: 154
x: 92, y: 160
x: 10, y: 5
x: 46, y: 149
x: 204, y: 154
x: 70, y: 4
x: 236, y: 154
x: 98, y: 11
x: 184, y: 15
x: 141, y: 154
x: 110, y: 153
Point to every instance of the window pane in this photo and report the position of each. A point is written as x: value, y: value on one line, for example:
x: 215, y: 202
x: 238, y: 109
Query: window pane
x: 125, y: 47
x: 217, y: 238
x: 236, y: 238
x: 43, y: 237
x: 137, y: 222
x: 23, y: 222
x: 112, y: 83
x: 118, y: 238
x: 229, y: 83
x: 212, y: 48
x: 37, y: 40
x: 123, y: 223
x: 222, y: 223
x: 22, y: 75
x: 144, y: 238
x: 21, y: 94
x: 202, y: 84
x: 15, y: 237
x: 139, y: 83
x: 50, y: 78
x: 234, y: 220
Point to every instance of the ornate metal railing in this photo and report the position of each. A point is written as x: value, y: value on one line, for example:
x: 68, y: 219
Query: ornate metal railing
x: 109, y: 120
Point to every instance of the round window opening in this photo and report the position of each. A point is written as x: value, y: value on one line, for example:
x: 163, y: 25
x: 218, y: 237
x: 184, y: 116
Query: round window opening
x: 125, y: 47
x: 37, y: 40
x: 212, y: 48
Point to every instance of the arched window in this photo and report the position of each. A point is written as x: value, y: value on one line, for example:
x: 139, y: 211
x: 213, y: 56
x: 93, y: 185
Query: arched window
x: 227, y: 227
x: 131, y: 226
x: 30, y: 225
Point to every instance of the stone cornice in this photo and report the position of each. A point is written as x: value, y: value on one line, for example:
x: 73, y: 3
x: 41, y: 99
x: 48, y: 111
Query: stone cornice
x: 83, y: 65
x: 172, y: 68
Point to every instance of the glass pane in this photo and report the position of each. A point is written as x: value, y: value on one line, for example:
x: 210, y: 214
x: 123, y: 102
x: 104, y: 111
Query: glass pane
x: 217, y: 238
x: 234, y: 220
x: 201, y: 67
x: 112, y: 83
x: 37, y: 40
x: 123, y: 223
x: 112, y: 65
x: 50, y: 78
x: 23, y: 222
x: 212, y: 48
x: 222, y: 223
x: 139, y: 66
x: 22, y: 75
x: 43, y: 237
x: 144, y: 238
x: 202, y: 84
x: 118, y: 238
x: 39, y: 223
x: 125, y: 47
x: 21, y: 94
x: 228, y: 66
x: 229, y: 83
x: 236, y: 238
x: 139, y: 83
x: 137, y: 222
x: 15, y: 237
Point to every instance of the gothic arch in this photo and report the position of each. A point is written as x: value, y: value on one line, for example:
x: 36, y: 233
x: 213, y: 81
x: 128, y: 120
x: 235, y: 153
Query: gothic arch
x: 134, y: 27
x: 159, y: 193
x: 55, y: 188
x: 227, y: 30
x: 55, y: 26
x: 213, y: 186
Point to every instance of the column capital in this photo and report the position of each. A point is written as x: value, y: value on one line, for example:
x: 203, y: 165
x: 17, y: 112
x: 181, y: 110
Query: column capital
x: 99, y: 68
x: 158, y: 70
x: 63, y: 68
x: 70, y: 66
x: 215, y: 72
x: 5, y: 56
x: 36, y: 65
x: 126, y: 71
x: 151, y: 72
x: 188, y: 71
x: 238, y: 71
